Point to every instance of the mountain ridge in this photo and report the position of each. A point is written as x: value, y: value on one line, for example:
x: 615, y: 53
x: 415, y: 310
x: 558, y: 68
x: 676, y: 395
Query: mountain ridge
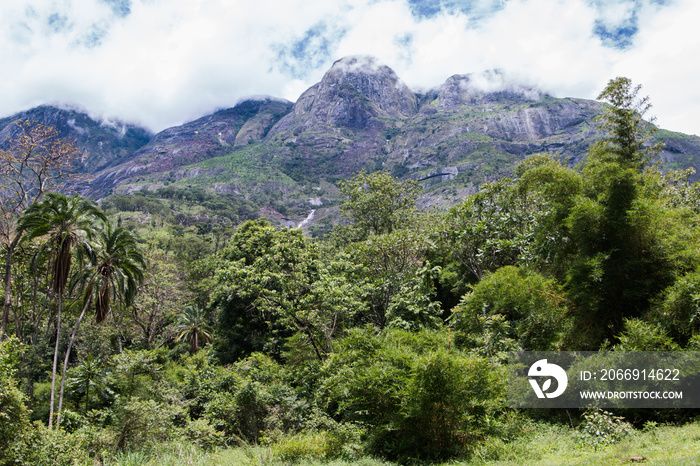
x: 470, y: 129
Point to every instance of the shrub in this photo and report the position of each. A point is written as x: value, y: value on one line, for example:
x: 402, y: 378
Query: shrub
x: 678, y: 310
x: 417, y: 399
x: 202, y: 434
x: 14, y: 415
x: 532, y: 305
x: 55, y: 447
x: 601, y: 428
x: 142, y: 423
x: 249, y: 398
x: 644, y: 336
x: 443, y: 405
x: 305, y: 445
x: 222, y: 412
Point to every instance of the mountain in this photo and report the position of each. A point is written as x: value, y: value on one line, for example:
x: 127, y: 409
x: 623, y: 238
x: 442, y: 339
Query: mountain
x: 105, y: 142
x: 205, y: 138
x: 286, y: 158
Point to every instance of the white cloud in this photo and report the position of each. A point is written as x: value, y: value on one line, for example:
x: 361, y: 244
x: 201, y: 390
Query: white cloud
x: 615, y: 14
x: 169, y: 61
x: 665, y: 61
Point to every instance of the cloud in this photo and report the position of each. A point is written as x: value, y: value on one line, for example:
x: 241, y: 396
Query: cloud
x: 163, y: 62
x: 664, y: 60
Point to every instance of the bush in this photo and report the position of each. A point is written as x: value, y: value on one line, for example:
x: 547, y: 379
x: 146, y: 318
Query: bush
x: 532, y: 305
x: 679, y: 308
x: 644, y: 336
x: 601, y: 428
x: 247, y: 399
x: 333, y: 440
x: 14, y: 415
x: 306, y: 445
x: 444, y: 404
x: 55, y: 447
x: 417, y: 399
x: 143, y: 423
x: 202, y: 434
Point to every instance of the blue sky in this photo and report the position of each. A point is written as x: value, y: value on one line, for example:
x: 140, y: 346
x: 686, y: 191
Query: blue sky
x: 164, y: 62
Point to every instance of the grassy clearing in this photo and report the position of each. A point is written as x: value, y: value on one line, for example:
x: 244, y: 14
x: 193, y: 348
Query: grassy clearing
x: 557, y: 445
x: 179, y: 454
x: 545, y: 445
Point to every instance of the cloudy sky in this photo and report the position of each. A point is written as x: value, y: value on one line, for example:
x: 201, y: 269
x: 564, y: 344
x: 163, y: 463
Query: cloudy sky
x: 164, y: 62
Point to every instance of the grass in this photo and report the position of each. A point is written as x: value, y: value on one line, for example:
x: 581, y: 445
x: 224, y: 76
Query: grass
x: 557, y: 445
x: 178, y: 454
x: 543, y: 446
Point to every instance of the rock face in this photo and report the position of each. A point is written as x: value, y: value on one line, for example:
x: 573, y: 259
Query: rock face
x: 353, y: 94
x: 105, y: 142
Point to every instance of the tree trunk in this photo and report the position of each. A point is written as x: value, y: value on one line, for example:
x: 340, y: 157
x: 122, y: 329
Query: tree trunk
x: 8, y: 282
x: 65, y: 363
x: 55, y: 359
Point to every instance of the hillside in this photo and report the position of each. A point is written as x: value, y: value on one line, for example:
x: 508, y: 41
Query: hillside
x: 105, y: 141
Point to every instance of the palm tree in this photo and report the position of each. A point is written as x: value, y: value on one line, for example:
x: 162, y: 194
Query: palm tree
x: 69, y: 223
x: 114, y: 271
x: 89, y: 373
x: 193, y: 327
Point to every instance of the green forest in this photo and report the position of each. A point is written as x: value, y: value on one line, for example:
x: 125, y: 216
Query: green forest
x: 175, y: 327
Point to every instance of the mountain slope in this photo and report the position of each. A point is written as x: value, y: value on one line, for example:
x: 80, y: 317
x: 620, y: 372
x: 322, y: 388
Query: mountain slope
x: 106, y: 142
x: 210, y: 136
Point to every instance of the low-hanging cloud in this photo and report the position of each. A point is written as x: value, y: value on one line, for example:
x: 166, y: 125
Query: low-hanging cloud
x: 163, y: 62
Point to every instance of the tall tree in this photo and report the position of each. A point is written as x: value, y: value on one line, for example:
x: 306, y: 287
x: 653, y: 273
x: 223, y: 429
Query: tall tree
x: 619, y: 263
x: 162, y: 292
x: 114, y: 272
x: 67, y: 223
x: 628, y: 132
x: 36, y: 161
x: 271, y: 283
x: 393, y: 265
x: 377, y: 203
x: 492, y: 228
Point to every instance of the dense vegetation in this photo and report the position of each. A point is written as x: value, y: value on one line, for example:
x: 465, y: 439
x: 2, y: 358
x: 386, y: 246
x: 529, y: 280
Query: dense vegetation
x: 147, y: 325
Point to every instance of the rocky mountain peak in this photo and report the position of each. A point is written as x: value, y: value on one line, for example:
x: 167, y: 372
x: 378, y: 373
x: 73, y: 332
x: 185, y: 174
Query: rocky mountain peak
x: 353, y: 93
x: 374, y: 81
x: 487, y: 86
x: 364, y: 63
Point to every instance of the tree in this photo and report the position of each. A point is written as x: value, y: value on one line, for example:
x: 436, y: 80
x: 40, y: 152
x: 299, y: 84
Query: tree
x: 272, y: 283
x: 36, y: 161
x: 88, y: 374
x: 192, y: 326
x: 398, y: 279
x: 492, y: 228
x: 620, y: 261
x: 68, y: 223
x: 162, y: 292
x: 532, y: 307
x: 628, y: 132
x: 114, y: 272
x: 552, y: 189
x: 377, y: 203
